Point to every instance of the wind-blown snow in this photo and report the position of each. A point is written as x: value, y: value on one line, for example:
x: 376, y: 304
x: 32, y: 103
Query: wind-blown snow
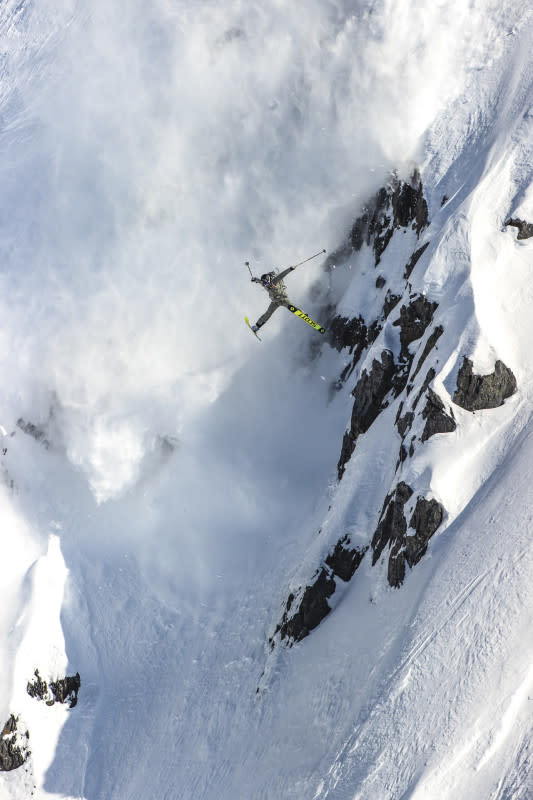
x: 149, y: 542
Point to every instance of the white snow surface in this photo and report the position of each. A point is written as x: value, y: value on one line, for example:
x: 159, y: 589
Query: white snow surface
x: 180, y: 479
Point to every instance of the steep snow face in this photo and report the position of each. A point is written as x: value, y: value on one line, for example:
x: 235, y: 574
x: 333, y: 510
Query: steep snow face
x: 168, y: 481
x: 148, y: 153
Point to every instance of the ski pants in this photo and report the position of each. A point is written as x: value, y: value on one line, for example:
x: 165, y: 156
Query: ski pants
x: 270, y: 310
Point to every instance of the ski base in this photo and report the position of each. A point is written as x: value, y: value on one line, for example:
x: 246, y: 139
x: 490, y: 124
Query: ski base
x: 254, y: 333
x: 299, y: 313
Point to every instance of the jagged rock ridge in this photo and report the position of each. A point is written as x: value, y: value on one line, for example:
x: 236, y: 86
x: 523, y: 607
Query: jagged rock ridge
x: 63, y: 690
x: 400, y: 204
x: 386, y: 376
x: 401, y: 537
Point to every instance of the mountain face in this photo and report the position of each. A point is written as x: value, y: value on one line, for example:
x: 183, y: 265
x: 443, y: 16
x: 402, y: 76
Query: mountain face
x: 397, y: 370
x: 299, y: 568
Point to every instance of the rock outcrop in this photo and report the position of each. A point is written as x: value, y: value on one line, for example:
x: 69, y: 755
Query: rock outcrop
x: 413, y: 320
x: 392, y: 531
x: 401, y: 204
x: 369, y: 399
x: 413, y: 261
x: 63, y: 690
x: 353, y: 334
x: 432, y: 340
x: 525, y: 229
x: 392, y: 525
x: 14, y: 746
x: 312, y: 608
x: 436, y: 417
x: 476, y: 392
x: 425, y: 520
x: 383, y: 378
x: 305, y: 610
x: 344, y: 560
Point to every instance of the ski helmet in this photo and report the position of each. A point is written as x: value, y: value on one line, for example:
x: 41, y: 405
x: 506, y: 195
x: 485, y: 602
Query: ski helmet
x: 266, y: 278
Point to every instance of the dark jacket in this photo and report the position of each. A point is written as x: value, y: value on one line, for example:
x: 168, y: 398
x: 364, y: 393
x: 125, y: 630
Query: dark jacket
x: 277, y: 291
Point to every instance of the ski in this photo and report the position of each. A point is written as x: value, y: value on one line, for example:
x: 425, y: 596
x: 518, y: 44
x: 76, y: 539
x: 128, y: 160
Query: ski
x: 299, y: 313
x: 254, y: 333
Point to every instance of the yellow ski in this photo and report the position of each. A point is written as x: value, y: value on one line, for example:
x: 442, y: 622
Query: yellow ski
x: 254, y: 333
x: 299, y: 313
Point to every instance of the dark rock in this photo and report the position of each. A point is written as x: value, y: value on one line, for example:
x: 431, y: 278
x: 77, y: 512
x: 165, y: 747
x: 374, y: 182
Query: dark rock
x: 380, y: 282
x: 38, y: 688
x: 313, y: 606
x: 400, y: 204
x: 396, y: 565
x: 347, y: 448
x: 402, y: 455
x: 372, y: 388
x: 392, y: 531
x: 312, y: 610
x: 370, y: 392
x: 360, y: 230
x: 404, y: 423
x: 437, y: 420
x: 434, y: 336
x: 444, y: 200
x: 475, y: 392
x: 64, y: 690
x: 372, y: 227
x: 369, y: 397
x: 391, y: 300
x: 14, y: 748
x: 409, y: 205
x: 427, y: 380
x: 392, y: 525
x: 345, y: 332
x: 353, y: 334
x: 413, y: 261
x: 525, y: 229
x: 382, y: 235
x: 344, y: 560
x: 426, y: 518
x: 374, y: 329
x: 413, y: 321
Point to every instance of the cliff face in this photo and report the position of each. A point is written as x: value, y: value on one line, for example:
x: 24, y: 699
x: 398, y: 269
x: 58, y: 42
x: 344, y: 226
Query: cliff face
x: 396, y: 344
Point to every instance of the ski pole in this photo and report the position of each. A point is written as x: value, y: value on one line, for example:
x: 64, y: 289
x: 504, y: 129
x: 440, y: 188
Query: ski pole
x: 249, y: 270
x: 308, y: 259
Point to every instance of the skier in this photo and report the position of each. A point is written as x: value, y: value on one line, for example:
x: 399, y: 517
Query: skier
x: 277, y: 291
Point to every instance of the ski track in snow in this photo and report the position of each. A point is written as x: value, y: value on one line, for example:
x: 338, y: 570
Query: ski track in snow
x: 184, y: 477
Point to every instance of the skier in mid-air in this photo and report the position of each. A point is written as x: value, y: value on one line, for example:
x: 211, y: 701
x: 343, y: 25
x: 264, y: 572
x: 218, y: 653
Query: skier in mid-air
x: 277, y: 291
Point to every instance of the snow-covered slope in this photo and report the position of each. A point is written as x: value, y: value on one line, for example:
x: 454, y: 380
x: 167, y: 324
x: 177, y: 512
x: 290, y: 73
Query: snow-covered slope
x: 181, y: 504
